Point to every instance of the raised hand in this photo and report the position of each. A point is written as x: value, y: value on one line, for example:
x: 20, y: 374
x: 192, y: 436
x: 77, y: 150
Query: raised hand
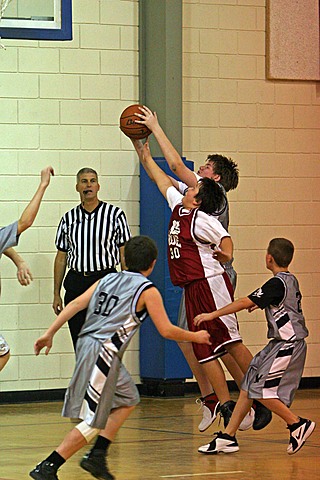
x: 148, y: 118
x: 46, y: 175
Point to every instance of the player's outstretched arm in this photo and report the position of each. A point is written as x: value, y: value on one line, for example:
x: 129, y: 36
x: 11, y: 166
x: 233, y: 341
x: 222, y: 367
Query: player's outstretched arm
x: 171, y: 155
x: 30, y: 212
x: 139, y: 147
x: 154, y: 304
x: 234, y: 307
x: 153, y: 170
x: 75, y: 306
x: 23, y: 272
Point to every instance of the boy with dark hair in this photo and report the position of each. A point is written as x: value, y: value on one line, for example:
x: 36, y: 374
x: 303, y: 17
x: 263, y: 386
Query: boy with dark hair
x: 142, y: 252
x: 210, y: 196
x: 274, y: 373
x: 101, y: 386
x: 224, y: 168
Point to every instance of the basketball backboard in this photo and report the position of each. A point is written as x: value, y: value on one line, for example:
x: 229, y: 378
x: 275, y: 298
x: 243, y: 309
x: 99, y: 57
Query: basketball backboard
x: 37, y: 20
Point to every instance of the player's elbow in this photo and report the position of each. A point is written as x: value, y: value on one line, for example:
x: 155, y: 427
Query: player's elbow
x: 226, y: 246
x: 166, y: 332
x: 23, y: 224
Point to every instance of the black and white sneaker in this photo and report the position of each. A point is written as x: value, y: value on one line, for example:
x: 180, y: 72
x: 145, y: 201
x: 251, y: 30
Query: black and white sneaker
x: 210, y: 407
x: 248, y: 420
x: 95, y: 462
x: 226, y: 410
x: 299, y: 432
x: 44, y: 471
x: 263, y: 416
x: 222, y: 442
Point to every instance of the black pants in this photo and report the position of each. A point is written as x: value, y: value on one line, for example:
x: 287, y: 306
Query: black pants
x: 76, y: 284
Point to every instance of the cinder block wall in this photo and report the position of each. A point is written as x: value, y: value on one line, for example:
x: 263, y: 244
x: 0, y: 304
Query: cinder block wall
x: 60, y: 104
x: 271, y: 129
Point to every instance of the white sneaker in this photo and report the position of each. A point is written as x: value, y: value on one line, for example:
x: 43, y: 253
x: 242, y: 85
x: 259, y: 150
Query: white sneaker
x: 248, y: 420
x: 222, y: 442
x: 299, y: 432
x: 210, y: 406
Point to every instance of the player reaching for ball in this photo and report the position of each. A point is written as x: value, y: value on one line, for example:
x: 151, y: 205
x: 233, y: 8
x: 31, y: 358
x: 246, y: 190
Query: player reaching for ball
x: 197, y: 243
x: 129, y: 124
x: 225, y: 173
x: 274, y: 373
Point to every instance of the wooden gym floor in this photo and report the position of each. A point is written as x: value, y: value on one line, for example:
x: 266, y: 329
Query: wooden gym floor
x: 159, y: 441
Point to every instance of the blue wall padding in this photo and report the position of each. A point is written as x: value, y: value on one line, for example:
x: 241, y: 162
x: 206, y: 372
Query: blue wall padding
x: 159, y: 358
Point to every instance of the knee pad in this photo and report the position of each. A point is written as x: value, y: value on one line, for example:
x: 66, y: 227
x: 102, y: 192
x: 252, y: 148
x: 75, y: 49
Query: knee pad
x: 88, y: 432
x: 4, y: 347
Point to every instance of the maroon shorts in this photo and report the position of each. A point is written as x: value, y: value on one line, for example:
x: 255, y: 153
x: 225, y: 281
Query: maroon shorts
x: 208, y: 295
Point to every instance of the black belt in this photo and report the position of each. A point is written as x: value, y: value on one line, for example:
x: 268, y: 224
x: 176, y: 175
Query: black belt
x: 95, y: 273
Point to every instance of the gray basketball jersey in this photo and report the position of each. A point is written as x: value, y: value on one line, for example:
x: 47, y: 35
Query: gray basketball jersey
x: 223, y: 215
x: 111, y: 321
x: 286, y: 320
x: 8, y: 236
x: 112, y: 308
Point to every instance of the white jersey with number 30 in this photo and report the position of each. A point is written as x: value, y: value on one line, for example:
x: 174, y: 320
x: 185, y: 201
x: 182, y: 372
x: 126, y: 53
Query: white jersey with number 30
x: 192, y: 236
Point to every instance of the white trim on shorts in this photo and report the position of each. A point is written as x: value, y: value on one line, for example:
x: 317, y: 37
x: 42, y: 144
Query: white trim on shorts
x: 275, y: 372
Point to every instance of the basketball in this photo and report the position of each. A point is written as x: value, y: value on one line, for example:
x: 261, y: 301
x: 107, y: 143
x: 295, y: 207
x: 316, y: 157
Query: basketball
x: 128, y: 125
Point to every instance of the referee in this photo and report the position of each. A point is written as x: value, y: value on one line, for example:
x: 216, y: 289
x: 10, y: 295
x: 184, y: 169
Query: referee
x: 90, y: 242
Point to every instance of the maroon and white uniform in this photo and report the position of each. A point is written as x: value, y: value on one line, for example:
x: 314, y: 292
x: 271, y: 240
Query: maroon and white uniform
x: 192, y: 236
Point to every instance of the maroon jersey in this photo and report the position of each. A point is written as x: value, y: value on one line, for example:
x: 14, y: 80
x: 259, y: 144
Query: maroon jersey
x: 192, y: 236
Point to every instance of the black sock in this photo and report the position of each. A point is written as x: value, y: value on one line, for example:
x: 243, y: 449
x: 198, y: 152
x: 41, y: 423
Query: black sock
x: 56, y: 459
x: 102, y: 443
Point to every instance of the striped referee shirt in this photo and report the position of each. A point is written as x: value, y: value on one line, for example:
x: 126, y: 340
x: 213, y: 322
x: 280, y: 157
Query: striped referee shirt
x: 92, y: 239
